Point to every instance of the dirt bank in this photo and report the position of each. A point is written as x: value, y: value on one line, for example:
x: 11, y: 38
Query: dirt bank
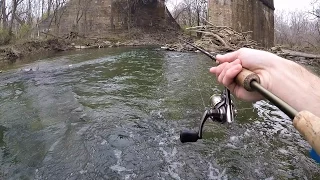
x: 135, y: 37
x: 24, y: 48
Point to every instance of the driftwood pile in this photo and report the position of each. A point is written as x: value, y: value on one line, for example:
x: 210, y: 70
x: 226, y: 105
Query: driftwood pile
x: 222, y: 38
x: 216, y: 39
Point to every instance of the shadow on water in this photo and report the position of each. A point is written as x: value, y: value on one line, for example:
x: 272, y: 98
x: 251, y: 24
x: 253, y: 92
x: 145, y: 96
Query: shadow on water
x: 117, y: 113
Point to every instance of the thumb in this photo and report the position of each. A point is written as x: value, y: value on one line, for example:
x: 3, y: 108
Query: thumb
x: 229, y: 57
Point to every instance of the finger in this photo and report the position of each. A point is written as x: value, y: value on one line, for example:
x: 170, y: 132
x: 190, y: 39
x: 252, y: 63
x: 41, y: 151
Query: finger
x: 227, y: 67
x: 229, y: 57
x: 218, y: 69
x: 231, y: 73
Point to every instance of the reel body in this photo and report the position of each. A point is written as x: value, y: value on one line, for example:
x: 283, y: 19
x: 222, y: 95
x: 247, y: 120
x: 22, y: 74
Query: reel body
x: 221, y: 109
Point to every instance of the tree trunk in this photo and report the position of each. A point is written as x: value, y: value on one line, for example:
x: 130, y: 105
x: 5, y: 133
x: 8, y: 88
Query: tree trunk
x: 29, y: 13
x: 42, y: 7
x: 4, y: 14
x: 49, y: 7
x: 14, y: 9
x: 198, y: 10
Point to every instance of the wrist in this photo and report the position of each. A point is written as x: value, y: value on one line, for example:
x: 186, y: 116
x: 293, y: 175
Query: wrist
x: 296, y: 86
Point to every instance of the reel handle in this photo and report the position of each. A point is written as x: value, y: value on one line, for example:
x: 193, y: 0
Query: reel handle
x: 189, y: 136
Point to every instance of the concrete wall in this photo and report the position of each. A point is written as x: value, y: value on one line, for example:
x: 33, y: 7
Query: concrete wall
x: 153, y: 14
x: 245, y: 15
x: 95, y: 18
x: 101, y: 17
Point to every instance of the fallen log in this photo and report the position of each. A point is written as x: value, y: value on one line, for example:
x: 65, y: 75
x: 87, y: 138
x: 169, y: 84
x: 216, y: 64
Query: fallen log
x: 52, y: 35
x: 286, y: 52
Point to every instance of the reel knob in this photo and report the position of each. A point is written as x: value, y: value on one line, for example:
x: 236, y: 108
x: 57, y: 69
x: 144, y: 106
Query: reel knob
x: 188, y: 136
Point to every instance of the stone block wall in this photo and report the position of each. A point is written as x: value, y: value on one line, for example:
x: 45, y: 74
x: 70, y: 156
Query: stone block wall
x: 256, y: 16
x: 220, y: 12
x: 100, y: 17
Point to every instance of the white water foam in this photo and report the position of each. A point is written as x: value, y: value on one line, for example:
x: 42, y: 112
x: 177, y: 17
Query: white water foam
x: 117, y: 166
x: 173, y: 167
x: 219, y: 176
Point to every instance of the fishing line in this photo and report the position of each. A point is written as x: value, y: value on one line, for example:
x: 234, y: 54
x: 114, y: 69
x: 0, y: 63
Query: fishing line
x: 204, y: 105
x: 198, y: 85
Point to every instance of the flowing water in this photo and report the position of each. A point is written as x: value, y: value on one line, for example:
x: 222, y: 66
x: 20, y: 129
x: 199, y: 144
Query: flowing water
x: 117, y: 114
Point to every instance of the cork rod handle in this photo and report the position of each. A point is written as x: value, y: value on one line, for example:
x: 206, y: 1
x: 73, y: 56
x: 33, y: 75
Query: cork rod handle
x: 309, y: 127
x: 245, y: 77
x: 305, y: 122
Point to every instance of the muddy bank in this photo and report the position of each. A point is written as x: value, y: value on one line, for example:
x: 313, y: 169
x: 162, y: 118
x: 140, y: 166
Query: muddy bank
x: 11, y: 53
x: 20, y: 50
x: 167, y: 40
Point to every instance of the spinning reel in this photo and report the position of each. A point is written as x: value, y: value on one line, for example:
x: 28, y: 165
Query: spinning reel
x: 221, y: 109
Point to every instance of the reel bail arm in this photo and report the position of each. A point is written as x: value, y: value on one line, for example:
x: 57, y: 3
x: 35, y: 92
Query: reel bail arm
x: 221, y: 110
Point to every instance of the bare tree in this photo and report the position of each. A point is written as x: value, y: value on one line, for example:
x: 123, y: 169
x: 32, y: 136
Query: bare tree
x: 295, y: 29
x: 81, y: 9
x: 189, y: 12
x: 199, y: 7
x: 4, y: 15
x: 15, y: 4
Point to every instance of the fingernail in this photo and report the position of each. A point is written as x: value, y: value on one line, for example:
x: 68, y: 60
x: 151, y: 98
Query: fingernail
x: 217, y: 62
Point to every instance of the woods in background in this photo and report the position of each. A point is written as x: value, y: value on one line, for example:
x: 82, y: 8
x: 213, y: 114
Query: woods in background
x: 188, y: 13
x: 18, y: 18
x: 294, y: 29
x: 21, y: 19
x: 299, y: 29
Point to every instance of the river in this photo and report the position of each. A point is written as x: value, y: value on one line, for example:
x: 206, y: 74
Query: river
x: 116, y: 114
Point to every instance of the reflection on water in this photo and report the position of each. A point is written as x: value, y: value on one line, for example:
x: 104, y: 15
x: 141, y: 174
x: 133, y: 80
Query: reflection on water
x: 117, y: 113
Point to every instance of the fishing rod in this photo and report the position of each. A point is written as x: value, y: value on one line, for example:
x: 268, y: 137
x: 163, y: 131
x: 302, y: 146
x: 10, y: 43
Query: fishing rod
x: 251, y: 82
x: 222, y: 109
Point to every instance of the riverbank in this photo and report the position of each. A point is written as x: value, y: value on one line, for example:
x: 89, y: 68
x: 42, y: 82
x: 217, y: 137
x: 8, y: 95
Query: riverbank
x: 167, y: 40
x: 300, y: 57
x: 22, y: 49
x: 10, y: 53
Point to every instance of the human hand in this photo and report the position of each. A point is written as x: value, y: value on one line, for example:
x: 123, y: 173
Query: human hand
x: 266, y: 65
